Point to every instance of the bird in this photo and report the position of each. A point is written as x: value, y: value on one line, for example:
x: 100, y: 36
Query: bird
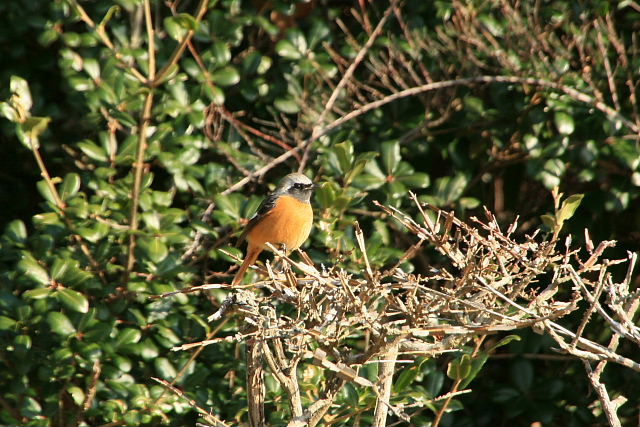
x: 284, y: 218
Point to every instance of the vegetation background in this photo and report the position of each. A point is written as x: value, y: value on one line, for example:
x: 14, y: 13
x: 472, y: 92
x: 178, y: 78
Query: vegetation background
x: 134, y: 127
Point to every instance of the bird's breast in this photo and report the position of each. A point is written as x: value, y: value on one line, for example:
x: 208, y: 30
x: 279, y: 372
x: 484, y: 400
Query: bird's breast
x: 287, y: 223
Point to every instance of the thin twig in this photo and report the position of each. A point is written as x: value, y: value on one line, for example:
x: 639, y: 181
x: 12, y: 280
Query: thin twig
x: 385, y: 384
x: 179, y: 50
x: 349, y: 72
x: 208, y: 416
x: 145, y: 121
x: 100, y: 31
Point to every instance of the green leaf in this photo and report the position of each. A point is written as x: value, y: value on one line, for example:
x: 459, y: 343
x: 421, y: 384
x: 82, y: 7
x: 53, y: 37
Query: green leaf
x: 227, y: 76
x: 23, y: 343
x: 94, y: 233
x: 127, y: 336
x: 166, y: 337
x: 469, y: 202
x: 568, y: 207
x: 504, y: 341
x: 124, y: 118
x: 37, y: 293
x: 492, y: 24
x: 358, y: 166
x: 344, y: 154
x: 449, y: 189
x: 92, y: 67
x: 627, y: 151
x: 32, y: 128
x: 93, y: 151
x: 179, y: 25
x: 286, y: 49
x: 81, y: 84
x: 474, y: 104
x: 164, y: 368
x: 319, y: 31
x: 147, y: 349
x: 22, y: 95
x: 60, y: 324
x: 76, y: 394
x: 30, y: 408
x: 554, y: 168
x: 390, y: 156
x: 33, y: 270
x: 70, y: 186
x: 255, y: 63
x: 107, y: 16
x: 564, y: 122
x: 9, y: 112
x: 434, y: 383
x: 16, y: 231
x: 221, y: 53
x: 6, y: 323
x: 132, y: 418
x: 231, y: 205
x: 297, y: 38
x: 476, y: 366
x: 549, y: 221
x: 415, y: 180
x: 45, y: 191
x: 405, y: 379
x: 73, y: 300
x: 351, y: 395
x: 179, y: 93
x: 459, y: 368
x: 326, y: 194
x: 154, y: 248
x: 214, y: 93
x: 59, y: 267
x: 286, y: 105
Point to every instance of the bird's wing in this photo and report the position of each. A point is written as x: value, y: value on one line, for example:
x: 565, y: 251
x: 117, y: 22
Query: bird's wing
x: 265, y: 207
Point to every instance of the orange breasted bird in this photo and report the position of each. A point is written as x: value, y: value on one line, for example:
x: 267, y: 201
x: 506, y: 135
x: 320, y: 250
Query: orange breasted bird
x: 283, y: 219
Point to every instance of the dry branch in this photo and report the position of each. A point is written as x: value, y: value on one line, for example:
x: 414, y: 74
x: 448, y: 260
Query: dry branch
x: 492, y: 282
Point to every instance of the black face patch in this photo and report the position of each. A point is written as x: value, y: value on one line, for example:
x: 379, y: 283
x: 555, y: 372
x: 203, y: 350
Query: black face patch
x: 299, y: 187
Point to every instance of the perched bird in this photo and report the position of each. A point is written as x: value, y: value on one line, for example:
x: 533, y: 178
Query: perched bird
x: 283, y: 219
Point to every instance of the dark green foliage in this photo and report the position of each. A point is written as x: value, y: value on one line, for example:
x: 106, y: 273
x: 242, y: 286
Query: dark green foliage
x: 81, y: 336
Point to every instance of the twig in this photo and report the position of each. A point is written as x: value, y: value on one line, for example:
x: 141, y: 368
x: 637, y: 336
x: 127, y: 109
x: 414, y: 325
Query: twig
x: 571, y: 92
x: 349, y: 72
x: 610, y: 408
x: 326, y: 129
x: 139, y: 167
x: 61, y: 205
x: 208, y: 416
x: 456, y: 385
x: 91, y: 393
x: 106, y: 41
x: 385, y: 383
x: 177, y: 53
x: 255, y: 382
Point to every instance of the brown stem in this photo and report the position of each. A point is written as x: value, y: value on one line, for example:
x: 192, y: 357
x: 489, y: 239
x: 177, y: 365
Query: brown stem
x: 456, y: 384
x: 255, y: 382
x: 177, y: 53
x: 105, y: 40
x: 385, y: 383
x: 142, y: 143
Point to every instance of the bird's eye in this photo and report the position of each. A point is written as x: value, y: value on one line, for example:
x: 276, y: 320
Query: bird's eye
x: 298, y: 186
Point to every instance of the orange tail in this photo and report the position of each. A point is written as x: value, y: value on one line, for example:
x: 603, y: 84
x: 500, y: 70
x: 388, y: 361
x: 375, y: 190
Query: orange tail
x: 252, y: 256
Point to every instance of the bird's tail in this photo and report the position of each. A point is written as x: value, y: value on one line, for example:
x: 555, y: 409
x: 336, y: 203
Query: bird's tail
x: 252, y: 255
